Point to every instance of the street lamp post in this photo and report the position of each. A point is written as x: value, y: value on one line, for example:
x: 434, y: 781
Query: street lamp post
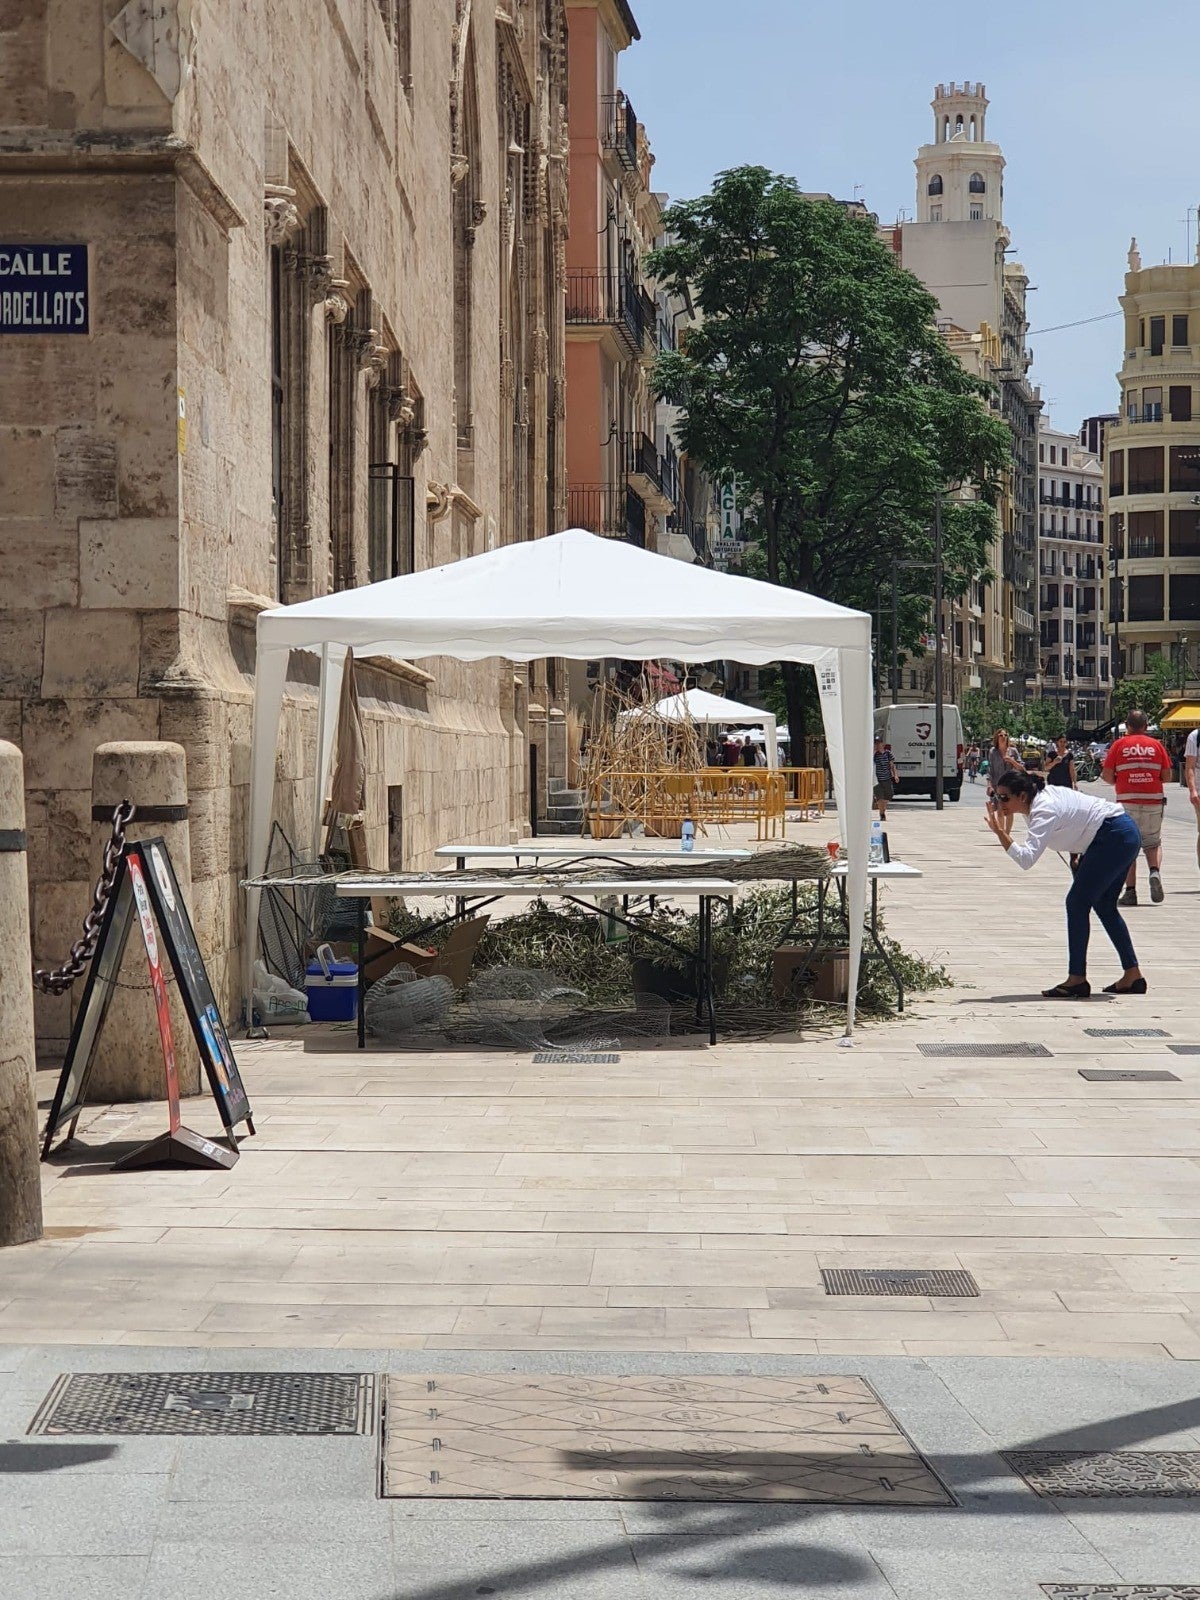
x: 939, y: 731
x: 895, y: 632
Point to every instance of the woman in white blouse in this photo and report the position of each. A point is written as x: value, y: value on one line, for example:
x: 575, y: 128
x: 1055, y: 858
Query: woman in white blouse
x: 1106, y: 842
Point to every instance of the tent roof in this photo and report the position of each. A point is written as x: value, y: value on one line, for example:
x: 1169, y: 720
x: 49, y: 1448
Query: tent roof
x: 573, y: 595
x: 697, y: 705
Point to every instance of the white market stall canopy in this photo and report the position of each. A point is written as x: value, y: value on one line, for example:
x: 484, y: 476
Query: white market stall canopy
x: 581, y: 597
x: 712, y: 711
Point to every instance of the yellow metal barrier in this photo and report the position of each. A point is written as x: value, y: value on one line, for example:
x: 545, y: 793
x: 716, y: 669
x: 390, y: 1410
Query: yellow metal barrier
x: 661, y: 801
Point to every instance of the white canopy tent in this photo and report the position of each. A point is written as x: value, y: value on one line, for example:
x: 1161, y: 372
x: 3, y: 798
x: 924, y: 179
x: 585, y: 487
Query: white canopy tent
x: 581, y: 597
x: 712, y: 711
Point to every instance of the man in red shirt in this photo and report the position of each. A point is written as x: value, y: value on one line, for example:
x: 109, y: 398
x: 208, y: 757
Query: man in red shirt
x: 1138, y: 766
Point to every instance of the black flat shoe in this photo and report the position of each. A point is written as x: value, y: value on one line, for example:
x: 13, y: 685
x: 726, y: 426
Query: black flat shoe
x: 1068, y: 991
x: 1138, y: 986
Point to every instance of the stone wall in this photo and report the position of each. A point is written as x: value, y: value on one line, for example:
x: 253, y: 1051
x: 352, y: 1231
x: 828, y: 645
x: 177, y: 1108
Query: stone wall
x: 143, y: 545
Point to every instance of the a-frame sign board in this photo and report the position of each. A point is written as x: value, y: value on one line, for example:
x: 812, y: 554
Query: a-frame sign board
x: 146, y: 890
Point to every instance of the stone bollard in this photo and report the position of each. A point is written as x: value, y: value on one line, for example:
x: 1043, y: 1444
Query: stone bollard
x: 20, y: 1179
x: 128, y: 1063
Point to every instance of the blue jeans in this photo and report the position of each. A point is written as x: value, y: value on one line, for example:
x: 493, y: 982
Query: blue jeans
x: 1098, y: 880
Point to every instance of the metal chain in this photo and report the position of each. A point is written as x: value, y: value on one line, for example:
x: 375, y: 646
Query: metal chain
x: 57, y: 980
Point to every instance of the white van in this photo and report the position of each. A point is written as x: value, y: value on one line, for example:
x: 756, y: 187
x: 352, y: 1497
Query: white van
x: 909, y: 731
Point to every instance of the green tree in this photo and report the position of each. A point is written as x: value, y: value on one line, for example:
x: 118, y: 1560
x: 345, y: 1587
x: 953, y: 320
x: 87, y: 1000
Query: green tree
x: 982, y: 714
x: 1146, y: 693
x: 1042, y: 718
x: 816, y: 376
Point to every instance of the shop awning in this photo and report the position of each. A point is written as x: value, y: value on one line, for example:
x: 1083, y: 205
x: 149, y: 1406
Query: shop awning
x: 1183, y: 714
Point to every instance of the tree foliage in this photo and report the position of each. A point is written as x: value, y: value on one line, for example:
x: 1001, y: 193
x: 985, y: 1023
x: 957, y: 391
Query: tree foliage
x: 817, y: 377
x: 983, y: 713
x: 1146, y: 693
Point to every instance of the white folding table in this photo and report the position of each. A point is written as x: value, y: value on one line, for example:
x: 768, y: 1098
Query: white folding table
x: 582, y: 851
x: 877, y: 872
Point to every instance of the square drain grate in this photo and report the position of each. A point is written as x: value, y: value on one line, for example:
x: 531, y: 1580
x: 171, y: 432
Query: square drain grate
x: 1126, y: 1075
x: 827, y: 1441
x: 573, y: 1058
x: 1121, y: 1591
x: 1127, y: 1033
x: 1184, y: 1049
x: 209, y: 1403
x: 970, y: 1050
x: 1109, y: 1475
x: 942, y: 1282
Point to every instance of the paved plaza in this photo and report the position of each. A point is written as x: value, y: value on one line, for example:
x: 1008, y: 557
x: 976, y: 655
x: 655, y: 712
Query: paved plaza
x: 669, y: 1215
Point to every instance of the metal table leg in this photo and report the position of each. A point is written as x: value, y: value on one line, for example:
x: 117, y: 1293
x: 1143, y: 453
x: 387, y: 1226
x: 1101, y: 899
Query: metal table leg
x: 706, y: 924
x: 362, y: 970
x: 873, y: 930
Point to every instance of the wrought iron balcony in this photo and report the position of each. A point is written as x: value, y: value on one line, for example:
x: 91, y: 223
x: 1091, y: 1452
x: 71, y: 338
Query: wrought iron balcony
x: 606, y: 299
x: 642, y: 463
x: 620, y: 129
x: 615, y: 512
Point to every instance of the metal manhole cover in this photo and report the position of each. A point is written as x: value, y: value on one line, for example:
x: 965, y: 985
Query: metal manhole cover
x: 572, y: 1058
x: 1109, y: 1474
x: 1126, y: 1075
x: 208, y: 1403
x: 1021, y: 1049
x: 944, y: 1282
x: 1121, y: 1591
x: 1127, y: 1033
x: 827, y: 1441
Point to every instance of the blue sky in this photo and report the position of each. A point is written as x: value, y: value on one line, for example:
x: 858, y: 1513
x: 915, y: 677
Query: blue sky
x: 1096, y: 106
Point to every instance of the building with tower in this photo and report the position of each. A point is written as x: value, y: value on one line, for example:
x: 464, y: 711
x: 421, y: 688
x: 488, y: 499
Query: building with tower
x: 1153, y: 466
x: 958, y: 246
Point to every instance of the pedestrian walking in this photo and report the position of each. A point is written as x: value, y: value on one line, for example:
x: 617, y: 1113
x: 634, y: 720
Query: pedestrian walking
x: 1002, y: 758
x: 1137, y: 766
x: 1105, y: 839
x: 1060, y: 768
x: 1191, y: 754
x: 886, y: 777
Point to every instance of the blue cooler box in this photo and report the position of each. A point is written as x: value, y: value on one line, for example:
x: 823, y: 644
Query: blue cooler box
x: 332, y: 991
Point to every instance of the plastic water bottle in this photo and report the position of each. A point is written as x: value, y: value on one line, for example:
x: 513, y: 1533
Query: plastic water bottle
x: 687, y: 837
x: 875, y: 853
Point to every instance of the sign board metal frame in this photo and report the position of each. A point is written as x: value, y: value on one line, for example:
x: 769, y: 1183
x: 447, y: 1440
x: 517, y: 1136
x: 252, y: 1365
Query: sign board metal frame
x: 146, y: 889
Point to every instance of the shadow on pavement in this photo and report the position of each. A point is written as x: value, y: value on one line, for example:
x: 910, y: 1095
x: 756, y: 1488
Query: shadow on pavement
x: 687, y: 1527
x: 17, y: 1456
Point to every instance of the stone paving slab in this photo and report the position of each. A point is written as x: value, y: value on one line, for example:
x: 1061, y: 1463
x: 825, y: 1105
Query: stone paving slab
x: 291, y: 1514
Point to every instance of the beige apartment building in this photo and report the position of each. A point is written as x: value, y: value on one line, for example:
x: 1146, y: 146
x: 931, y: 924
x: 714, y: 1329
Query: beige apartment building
x: 957, y: 245
x: 282, y: 311
x: 1076, y: 671
x: 1153, y: 473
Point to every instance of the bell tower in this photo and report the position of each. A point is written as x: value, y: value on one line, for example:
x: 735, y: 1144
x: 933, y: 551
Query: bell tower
x: 960, y: 176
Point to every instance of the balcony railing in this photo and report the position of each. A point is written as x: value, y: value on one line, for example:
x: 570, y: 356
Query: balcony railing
x: 614, y: 512
x: 641, y: 459
x: 648, y: 315
x: 668, y: 470
x: 606, y: 299
x: 620, y: 129
x: 1142, y: 549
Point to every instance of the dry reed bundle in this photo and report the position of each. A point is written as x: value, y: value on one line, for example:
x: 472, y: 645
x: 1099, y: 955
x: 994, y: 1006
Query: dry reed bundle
x: 639, y: 767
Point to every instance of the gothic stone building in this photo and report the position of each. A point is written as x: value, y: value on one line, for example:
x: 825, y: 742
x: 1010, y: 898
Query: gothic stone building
x: 306, y: 332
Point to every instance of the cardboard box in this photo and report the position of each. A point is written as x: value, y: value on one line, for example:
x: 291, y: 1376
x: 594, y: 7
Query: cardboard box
x: 827, y: 977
